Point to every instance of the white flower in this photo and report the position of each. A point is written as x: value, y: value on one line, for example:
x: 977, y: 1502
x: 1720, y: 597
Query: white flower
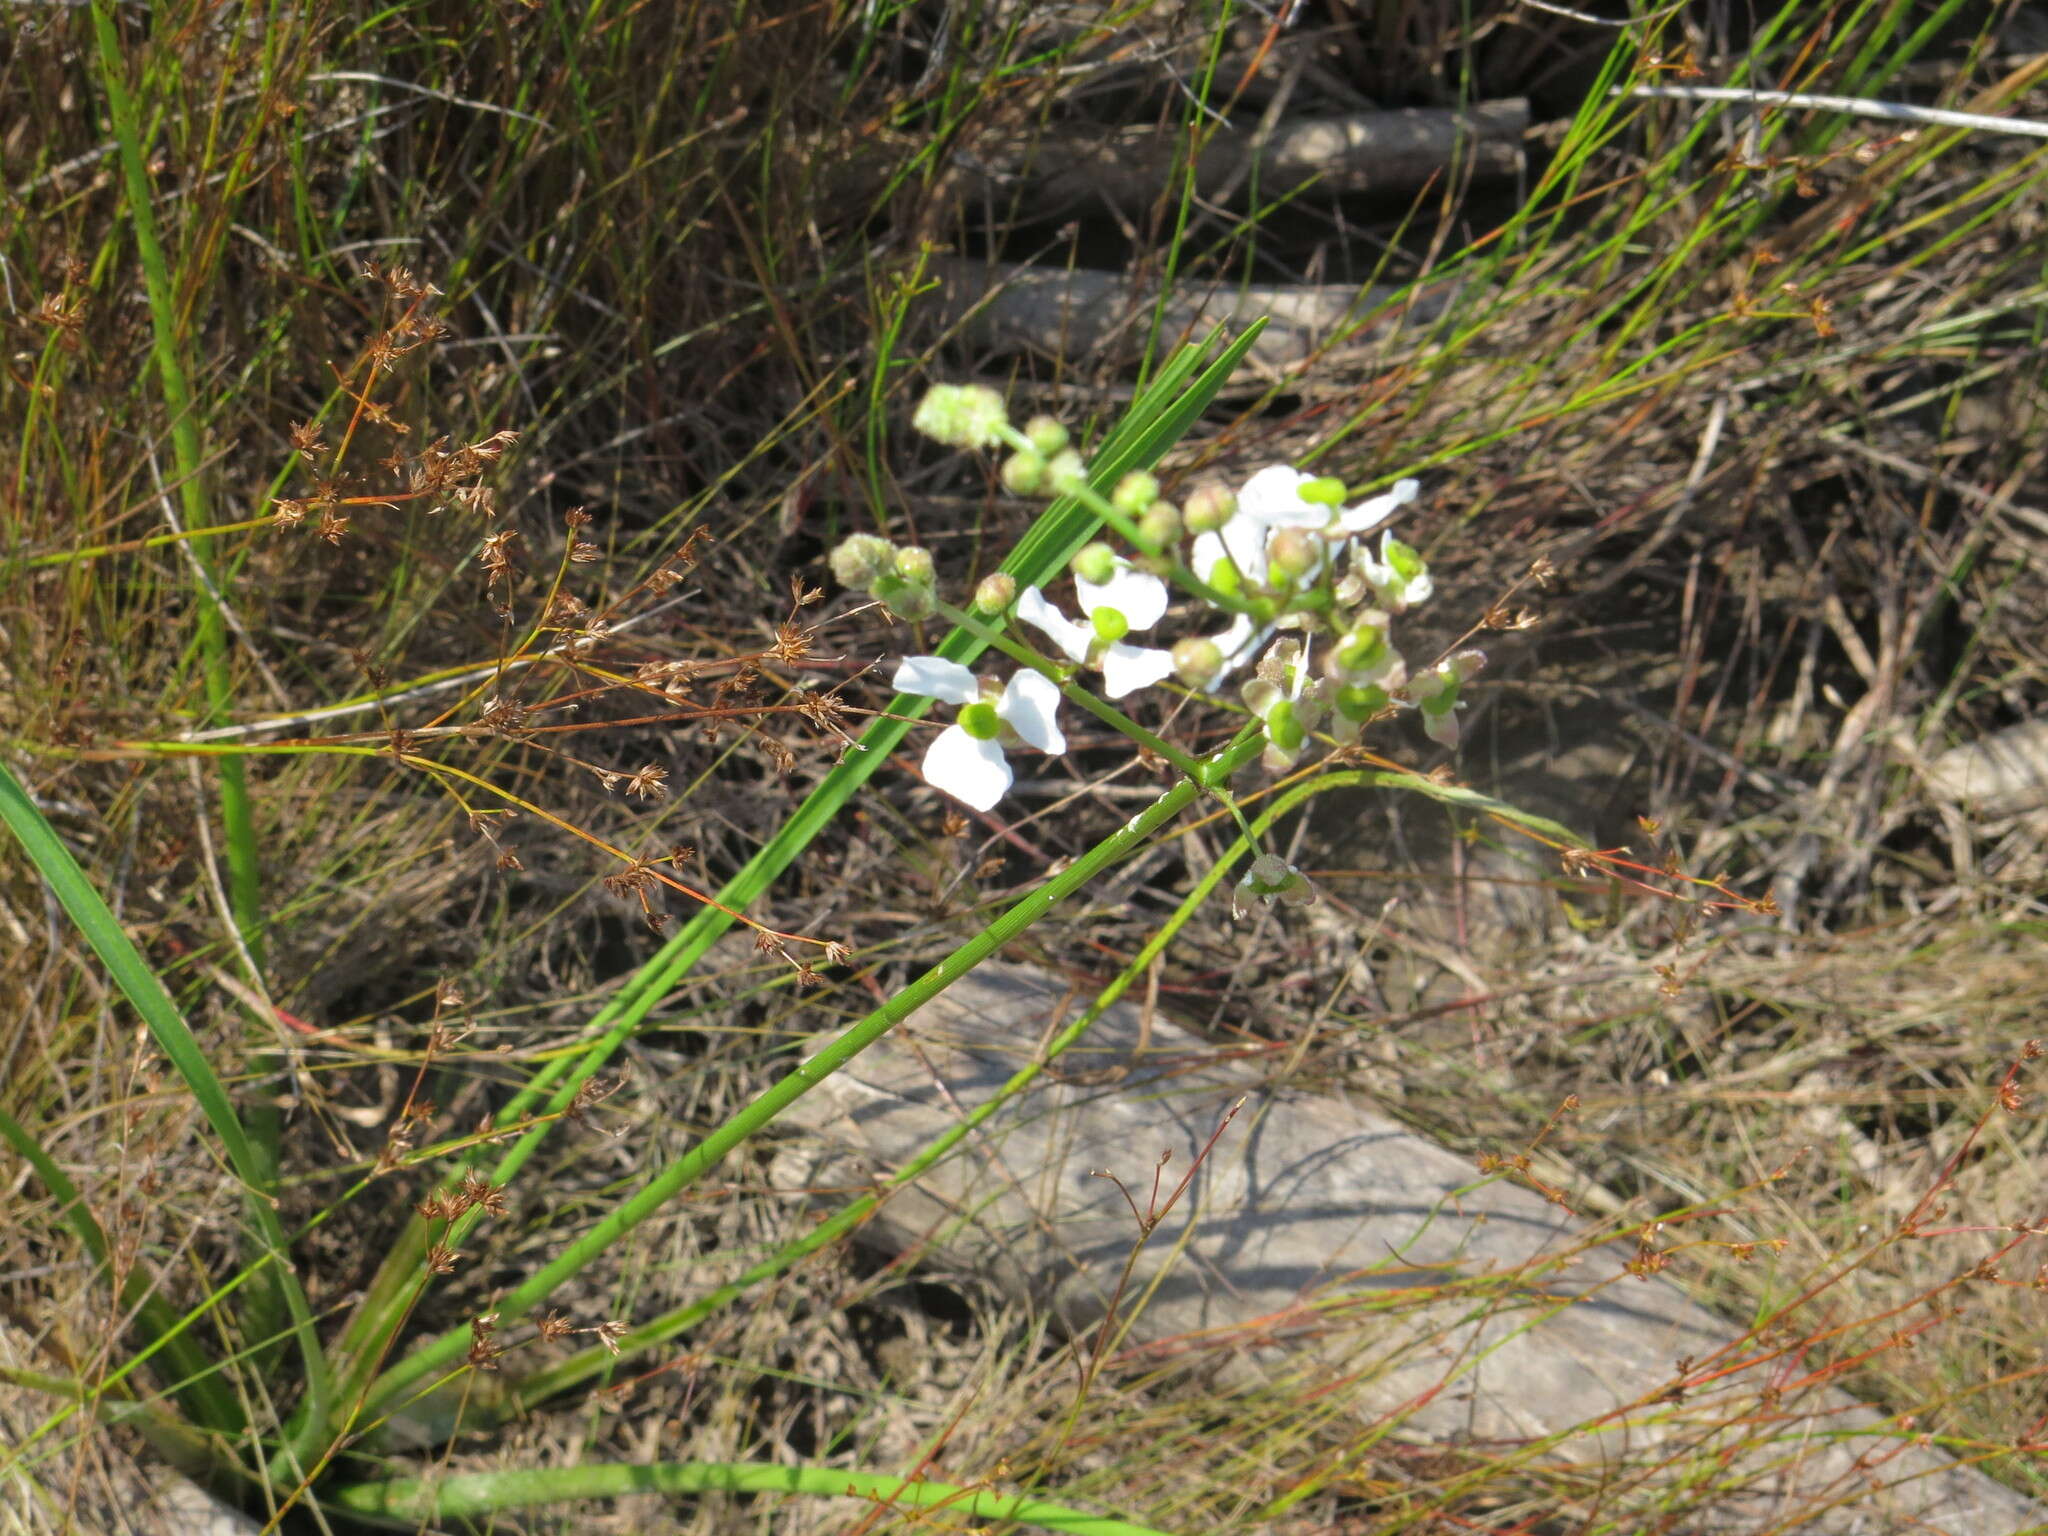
x: 1400, y: 578
x: 1283, y: 697
x: 966, y: 759
x: 1273, y: 499
x: 1270, y: 879
x: 1130, y: 600
x: 1436, y: 693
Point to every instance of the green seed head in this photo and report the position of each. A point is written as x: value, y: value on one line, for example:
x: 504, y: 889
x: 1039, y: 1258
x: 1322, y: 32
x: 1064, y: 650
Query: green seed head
x: 1209, y: 508
x: 1096, y: 563
x: 997, y: 591
x: 1023, y: 474
x: 1134, y: 493
x: 980, y: 720
x: 1047, y: 435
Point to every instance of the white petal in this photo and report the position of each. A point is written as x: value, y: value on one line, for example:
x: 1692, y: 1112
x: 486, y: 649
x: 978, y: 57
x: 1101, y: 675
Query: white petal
x: 1138, y: 595
x: 1029, y: 704
x: 966, y: 767
x: 1239, y: 645
x: 1273, y: 497
x: 1127, y: 668
x: 934, y: 677
x: 1443, y: 729
x: 1419, y: 590
x: 1245, y: 540
x: 1070, y: 637
x: 1370, y: 514
x: 1205, y: 554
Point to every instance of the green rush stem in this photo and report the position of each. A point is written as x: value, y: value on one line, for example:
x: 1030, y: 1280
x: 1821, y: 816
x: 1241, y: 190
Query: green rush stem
x: 244, y: 876
x: 272, y: 1305
x: 468, y: 1494
x: 136, y: 546
x: 592, y: 1362
x: 443, y: 1352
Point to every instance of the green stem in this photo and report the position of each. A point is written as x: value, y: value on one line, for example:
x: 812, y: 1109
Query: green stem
x: 443, y: 1352
x: 589, y: 1363
x: 1156, y: 419
x: 452, y: 1497
x: 244, y: 886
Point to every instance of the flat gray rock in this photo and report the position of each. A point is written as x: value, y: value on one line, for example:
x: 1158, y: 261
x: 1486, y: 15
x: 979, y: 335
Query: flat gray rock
x: 1319, y: 1237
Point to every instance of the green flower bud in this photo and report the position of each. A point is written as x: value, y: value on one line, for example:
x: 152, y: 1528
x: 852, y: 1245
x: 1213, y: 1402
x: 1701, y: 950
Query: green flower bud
x: 1047, y: 435
x: 1294, y: 552
x: 1065, y: 472
x: 1209, y: 508
x: 997, y: 591
x: 1096, y: 563
x: 1196, y: 662
x: 1109, y: 625
x: 962, y: 415
x: 908, y: 600
x: 1134, y: 493
x: 859, y: 558
x: 1161, y: 524
x: 914, y: 564
x: 1023, y: 474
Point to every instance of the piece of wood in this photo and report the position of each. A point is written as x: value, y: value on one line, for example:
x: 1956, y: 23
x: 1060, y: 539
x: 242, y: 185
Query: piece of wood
x: 1321, y: 1238
x: 1106, y: 316
x: 1396, y: 152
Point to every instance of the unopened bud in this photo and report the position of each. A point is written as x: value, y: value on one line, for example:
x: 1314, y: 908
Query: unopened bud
x: 1023, y: 474
x: 1095, y: 563
x: 909, y: 600
x: 1209, y: 508
x: 859, y: 558
x: 914, y: 564
x: 1065, y: 472
x: 1134, y: 493
x: 1161, y: 525
x: 1197, y: 662
x: 1047, y: 435
x: 1294, y: 552
x: 997, y: 591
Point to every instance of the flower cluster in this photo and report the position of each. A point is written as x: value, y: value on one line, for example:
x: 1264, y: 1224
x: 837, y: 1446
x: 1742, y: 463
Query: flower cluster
x: 1285, y: 555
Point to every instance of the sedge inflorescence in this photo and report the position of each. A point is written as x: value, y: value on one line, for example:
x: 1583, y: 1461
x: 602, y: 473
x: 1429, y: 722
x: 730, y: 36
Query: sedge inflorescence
x: 1286, y: 563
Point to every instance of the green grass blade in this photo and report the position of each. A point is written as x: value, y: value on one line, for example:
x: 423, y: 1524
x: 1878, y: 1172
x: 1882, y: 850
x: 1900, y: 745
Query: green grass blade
x: 167, y: 339
x: 443, y: 1352
x: 486, y: 1493
x: 167, y: 1027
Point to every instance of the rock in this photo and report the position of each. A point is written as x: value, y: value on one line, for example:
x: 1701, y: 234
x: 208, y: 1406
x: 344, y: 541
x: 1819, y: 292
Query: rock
x: 2005, y: 774
x: 1319, y: 1236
